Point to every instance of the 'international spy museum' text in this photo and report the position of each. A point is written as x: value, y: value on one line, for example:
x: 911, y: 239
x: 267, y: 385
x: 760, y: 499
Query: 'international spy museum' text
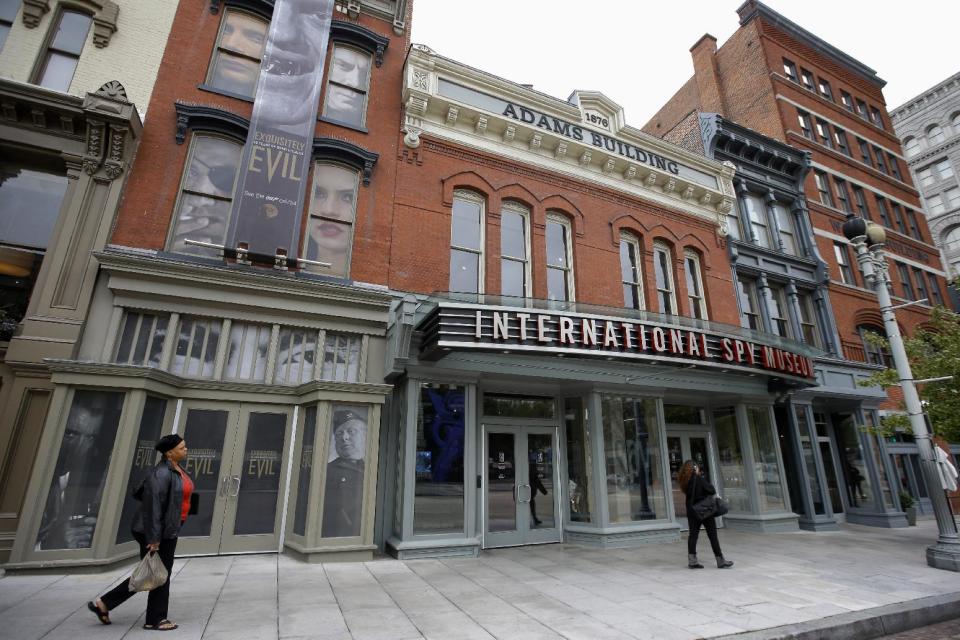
x: 528, y: 331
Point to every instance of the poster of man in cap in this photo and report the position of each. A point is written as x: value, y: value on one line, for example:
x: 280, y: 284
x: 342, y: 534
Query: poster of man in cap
x: 343, y: 495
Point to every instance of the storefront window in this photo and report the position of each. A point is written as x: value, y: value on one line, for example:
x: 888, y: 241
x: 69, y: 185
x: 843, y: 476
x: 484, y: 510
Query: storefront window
x: 884, y: 484
x: 73, y: 499
x: 731, y: 460
x: 579, y: 460
x: 853, y: 462
x: 682, y: 414
x: 631, y: 438
x: 766, y: 464
x: 498, y: 404
x: 144, y: 457
x: 816, y: 494
x: 438, y: 493
x: 346, y: 458
x: 306, y: 469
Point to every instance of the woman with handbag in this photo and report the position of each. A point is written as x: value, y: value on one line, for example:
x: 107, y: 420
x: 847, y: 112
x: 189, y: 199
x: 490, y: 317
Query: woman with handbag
x: 697, y: 489
x: 165, y: 501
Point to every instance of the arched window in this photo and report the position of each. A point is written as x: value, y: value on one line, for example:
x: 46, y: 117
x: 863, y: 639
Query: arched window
x: 696, y: 299
x: 875, y: 354
x: 911, y: 147
x: 955, y: 123
x: 466, y: 243
x: 333, y: 209
x: 631, y: 273
x: 206, y: 194
x: 515, y: 250
x: 235, y: 66
x: 663, y: 271
x: 935, y: 134
x: 63, y: 52
x: 560, y: 284
x: 951, y: 241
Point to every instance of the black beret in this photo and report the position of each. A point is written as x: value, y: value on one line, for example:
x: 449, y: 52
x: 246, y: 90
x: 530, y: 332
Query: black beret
x: 168, y: 442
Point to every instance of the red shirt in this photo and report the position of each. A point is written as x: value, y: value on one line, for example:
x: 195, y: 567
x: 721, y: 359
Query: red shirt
x: 187, y: 490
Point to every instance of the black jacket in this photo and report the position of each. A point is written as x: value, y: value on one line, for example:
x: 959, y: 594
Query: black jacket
x: 697, y: 490
x: 159, y: 515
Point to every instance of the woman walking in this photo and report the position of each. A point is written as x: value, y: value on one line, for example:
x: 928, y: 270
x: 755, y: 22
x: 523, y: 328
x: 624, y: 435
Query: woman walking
x: 165, y: 503
x: 696, y: 489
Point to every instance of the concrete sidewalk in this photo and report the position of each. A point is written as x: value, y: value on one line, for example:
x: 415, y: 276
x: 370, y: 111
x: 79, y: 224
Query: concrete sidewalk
x: 807, y: 581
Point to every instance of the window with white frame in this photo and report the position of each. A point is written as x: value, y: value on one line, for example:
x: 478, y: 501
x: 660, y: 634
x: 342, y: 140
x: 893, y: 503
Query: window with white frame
x: 515, y: 250
x: 759, y: 222
x: 331, y: 217
x: 809, y: 326
x: 842, y: 253
x: 779, y: 316
x: 466, y: 243
x: 631, y: 274
x: 63, y: 52
x: 925, y: 176
x: 696, y: 302
x: 935, y: 134
x: 749, y: 307
x: 840, y: 138
x: 823, y: 187
x: 206, y: 194
x: 345, y: 99
x: 806, y: 126
x: 786, y: 228
x: 944, y: 169
x: 952, y: 198
x: 935, y: 204
x: 247, y: 355
x: 790, y: 70
x: 235, y: 66
x: 141, y: 338
x: 196, y: 349
x: 911, y: 147
x: 560, y: 284
x: 663, y: 271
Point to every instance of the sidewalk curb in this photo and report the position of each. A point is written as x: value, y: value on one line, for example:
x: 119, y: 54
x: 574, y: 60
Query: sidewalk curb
x: 862, y: 625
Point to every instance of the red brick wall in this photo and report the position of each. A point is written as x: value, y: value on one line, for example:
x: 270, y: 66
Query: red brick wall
x: 421, y: 239
x: 147, y: 208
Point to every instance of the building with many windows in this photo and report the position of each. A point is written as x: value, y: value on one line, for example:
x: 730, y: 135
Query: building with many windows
x: 271, y: 369
x: 75, y: 80
x: 929, y: 126
x: 784, y: 82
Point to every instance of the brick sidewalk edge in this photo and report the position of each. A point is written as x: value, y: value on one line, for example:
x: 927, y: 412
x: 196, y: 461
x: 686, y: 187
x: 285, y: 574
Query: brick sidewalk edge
x: 862, y: 625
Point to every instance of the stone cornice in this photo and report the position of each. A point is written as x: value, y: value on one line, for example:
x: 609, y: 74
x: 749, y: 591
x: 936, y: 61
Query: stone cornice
x: 916, y: 103
x: 470, y: 125
x: 197, y: 274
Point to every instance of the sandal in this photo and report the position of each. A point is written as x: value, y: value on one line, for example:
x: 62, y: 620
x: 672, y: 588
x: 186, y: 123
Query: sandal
x: 103, y: 616
x: 163, y: 625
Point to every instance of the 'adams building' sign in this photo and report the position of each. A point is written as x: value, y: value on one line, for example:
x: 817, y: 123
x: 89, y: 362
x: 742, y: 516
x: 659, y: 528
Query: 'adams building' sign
x: 454, y: 326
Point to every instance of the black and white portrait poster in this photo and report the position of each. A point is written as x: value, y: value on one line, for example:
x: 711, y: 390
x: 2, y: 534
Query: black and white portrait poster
x: 270, y: 193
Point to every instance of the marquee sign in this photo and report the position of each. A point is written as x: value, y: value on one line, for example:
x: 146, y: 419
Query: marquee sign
x: 454, y: 326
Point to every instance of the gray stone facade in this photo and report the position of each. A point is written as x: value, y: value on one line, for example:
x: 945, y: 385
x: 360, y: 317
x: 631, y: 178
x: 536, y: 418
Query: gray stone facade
x: 929, y: 126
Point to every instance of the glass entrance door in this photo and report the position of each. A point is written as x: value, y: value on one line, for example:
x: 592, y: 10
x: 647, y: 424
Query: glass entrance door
x: 521, y: 503
x: 688, y: 445
x: 235, y: 457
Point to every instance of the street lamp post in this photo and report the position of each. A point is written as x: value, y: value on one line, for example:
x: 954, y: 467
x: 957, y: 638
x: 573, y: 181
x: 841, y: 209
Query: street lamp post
x: 867, y: 239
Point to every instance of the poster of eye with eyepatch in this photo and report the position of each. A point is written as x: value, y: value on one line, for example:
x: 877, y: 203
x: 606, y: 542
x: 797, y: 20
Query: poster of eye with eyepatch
x: 269, y: 198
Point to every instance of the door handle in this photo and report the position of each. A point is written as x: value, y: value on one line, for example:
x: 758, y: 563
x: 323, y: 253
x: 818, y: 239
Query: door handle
x: 529, y: 493
x: 224, y: 483
x: 236, y: 490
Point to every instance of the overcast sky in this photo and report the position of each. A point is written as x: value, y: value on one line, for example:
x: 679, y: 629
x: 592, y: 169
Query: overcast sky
x: 637, y: 52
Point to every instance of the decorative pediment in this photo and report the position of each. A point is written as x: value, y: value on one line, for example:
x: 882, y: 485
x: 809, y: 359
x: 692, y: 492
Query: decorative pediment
x: 447, y: 100
x: 346, y: 152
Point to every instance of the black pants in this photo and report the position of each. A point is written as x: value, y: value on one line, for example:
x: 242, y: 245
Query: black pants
x: 710, y: 524
x: 157, y: 599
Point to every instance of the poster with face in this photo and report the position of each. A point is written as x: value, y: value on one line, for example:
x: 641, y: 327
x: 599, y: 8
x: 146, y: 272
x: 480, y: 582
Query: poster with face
x: 273, y: 170
x: 343, y: 493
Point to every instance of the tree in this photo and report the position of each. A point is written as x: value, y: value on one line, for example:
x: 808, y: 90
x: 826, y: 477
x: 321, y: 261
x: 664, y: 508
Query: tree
x: 934, y: 352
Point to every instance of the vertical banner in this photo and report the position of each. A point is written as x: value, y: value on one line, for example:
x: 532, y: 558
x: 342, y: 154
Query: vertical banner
x: 269, y: 199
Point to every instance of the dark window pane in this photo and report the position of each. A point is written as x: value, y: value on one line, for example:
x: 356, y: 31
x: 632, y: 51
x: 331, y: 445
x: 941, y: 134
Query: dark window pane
x: 144, y: 457
x: 631, y: 443
x: 578, y: 459
x: 306, y: 470
x: 204, y: 431
x: 498, y: 404
x: 556, y: 244
x: 501, y: 476
x: 38, y: 193
x: 438, y: 493
x: 73, y: 500
x: 260, y: 477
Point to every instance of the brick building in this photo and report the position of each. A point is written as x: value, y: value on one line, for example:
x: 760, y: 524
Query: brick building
x: 781, y: 80
x: 75, y: 80
x: 237, y: 355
